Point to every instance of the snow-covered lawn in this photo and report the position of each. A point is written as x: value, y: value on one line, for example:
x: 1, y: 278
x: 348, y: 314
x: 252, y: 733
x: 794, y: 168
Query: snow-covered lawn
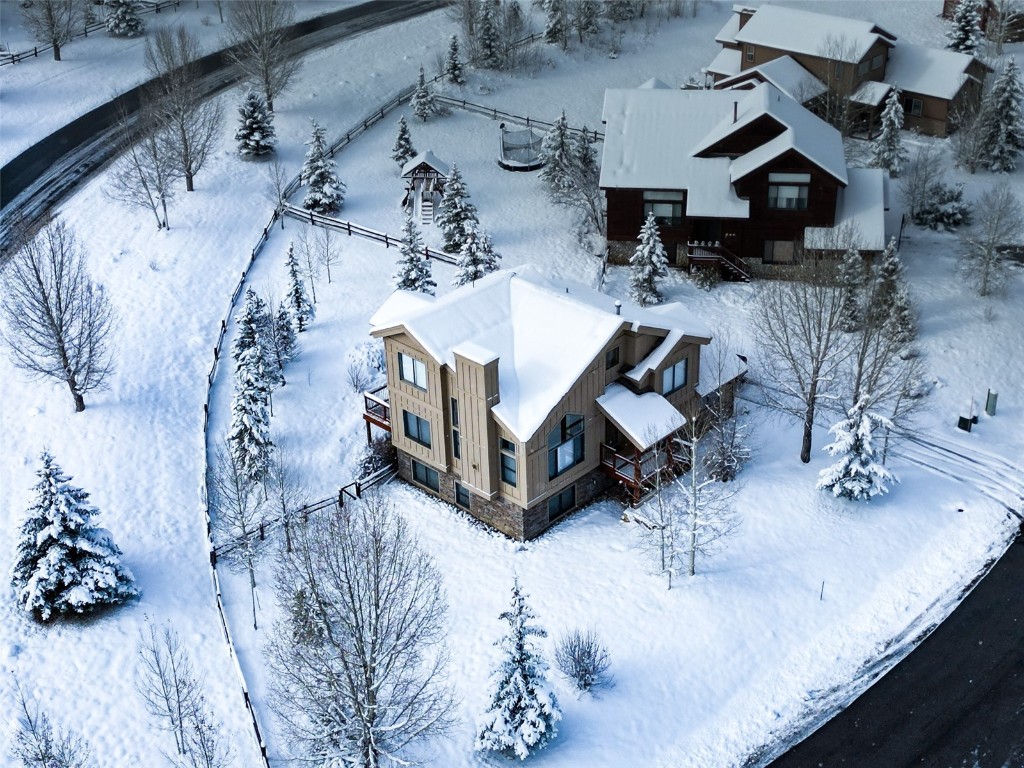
x: 704, y: 673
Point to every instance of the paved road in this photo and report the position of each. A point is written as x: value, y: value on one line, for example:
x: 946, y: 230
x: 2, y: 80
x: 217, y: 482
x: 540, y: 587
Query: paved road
x: 48, y: 172
x: 957, y: 701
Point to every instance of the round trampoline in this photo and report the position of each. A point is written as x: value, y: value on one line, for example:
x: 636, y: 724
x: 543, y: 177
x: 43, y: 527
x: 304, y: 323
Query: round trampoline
x: 520, y: 149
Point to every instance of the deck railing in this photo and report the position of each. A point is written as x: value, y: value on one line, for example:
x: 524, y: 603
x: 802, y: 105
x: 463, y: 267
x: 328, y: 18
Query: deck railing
x: 376, y: 408
x: 716, y: 252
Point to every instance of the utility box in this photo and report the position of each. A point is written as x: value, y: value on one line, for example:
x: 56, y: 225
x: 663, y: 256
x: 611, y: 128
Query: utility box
x: 964, y: 423
x: 990, y: 403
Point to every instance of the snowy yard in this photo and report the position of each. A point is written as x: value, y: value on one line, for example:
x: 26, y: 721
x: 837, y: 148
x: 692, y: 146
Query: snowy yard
x: 809, y: 592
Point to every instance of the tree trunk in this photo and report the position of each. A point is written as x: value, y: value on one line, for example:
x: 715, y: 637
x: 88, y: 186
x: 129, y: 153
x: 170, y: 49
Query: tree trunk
x: 812, y: 400
x: 56, y: 51
x: 79, y: 401
x: 189, y: 187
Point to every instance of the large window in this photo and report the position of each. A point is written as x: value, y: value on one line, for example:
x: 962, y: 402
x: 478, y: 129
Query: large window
x: 416, y: 429
x: 412, y: 370
x: 674, y: 378
x: 666, y: 205
x: 508, y: 461
x: 426, y: 476
x: 456, y: 437
x: 788, y: 190
x: 561, y: 503
x: 779, y: 251
x: 565, y: 445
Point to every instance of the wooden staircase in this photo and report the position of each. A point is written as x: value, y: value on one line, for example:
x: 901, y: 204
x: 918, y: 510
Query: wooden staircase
x: 729, y: 265
x: 426, y: 210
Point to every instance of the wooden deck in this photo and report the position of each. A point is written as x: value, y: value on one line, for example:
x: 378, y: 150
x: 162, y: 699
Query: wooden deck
x: 639, y: 472
x: 376, y: 410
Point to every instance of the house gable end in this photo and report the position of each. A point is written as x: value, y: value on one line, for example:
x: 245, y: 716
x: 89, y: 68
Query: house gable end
x: 746, y: 138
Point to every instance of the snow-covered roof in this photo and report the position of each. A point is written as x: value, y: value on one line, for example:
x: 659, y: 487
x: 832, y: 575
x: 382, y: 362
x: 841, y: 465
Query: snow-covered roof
x: 643, y: 419
x: 726, y: 62
x: 717, y: 368
x: 860, y: 213
x: 785, y: 73
x: 727, y: 34
x: 812, y: 34
x: 929, y: 71
x: 871, y: 93
x: 544, y: 338
x: 655, y: 83
x: 428, y: 158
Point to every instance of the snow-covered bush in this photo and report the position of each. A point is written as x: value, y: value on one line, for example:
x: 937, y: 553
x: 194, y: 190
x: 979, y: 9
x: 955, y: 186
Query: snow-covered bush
x: 123, y: 18
x: 706, y: 277
x: 582, y: 658
x: 857, y: 475
x: 366, y: 365
x: 943, y: 206
x: 64, y: 562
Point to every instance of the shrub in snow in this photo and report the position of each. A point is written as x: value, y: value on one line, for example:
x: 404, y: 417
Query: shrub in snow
x: 964, y: 33
x: 1003, y: 121
x: 647, y: 264
x: 943, y: 206
x: 856, y: 476
x: 64, y: 563
x: 366, y: 367
x: 455, y: 213
x: 523, y: 713
x: 413, y: 265
x: 583, y: 659
x: 453, y: 64
x: 422, y: 102
x: 476, y: 258
x: 403, y: 150
x: 887, y: 151
x: 123, y: 18
x: 706, y: 277
x: 325, y: 192
x: 298, y: 303
x: 255, y: 134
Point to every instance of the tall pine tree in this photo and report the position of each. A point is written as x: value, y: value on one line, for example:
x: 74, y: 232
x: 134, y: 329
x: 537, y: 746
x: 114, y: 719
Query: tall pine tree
x: 1004, y: 121
x: 255, y: 134
x: 422, y: 102
x: 524, y: 713
x: 887, y: 151
x: 487, y: 41
x: 64, y: 563
x: 284, y: 343
x: 256, y: 331
x: 324, y: 190
x: 856, y: 475
x: 851, y: 283
x: 413, y: 265
x: 249, y: 435
x: 453, y: 63
x: 556, y: 152
x: 403, y: 150
x: 456, y: 212
x: 647, y: 264
x: 476, y: 257
x: 123, y: 18
x: 556, y: 24
x: 964, y: 33
x: 298, y: 303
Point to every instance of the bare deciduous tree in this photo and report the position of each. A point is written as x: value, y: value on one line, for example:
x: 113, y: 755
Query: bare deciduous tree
x: 172, y: 693
x: 971, y: 118
x: 309, y: 260
x: 921, y: 176
x: 257, y: 34
x: 359, y: 664
x: 834, y: 104
x: 800, y: 322
x: 999, y: 224
x: 327, y: 251
x: 1004, y: 20
x: 57, y: 321
x: 193, y: 122
x: 38, y: 744
x: 52, y: 22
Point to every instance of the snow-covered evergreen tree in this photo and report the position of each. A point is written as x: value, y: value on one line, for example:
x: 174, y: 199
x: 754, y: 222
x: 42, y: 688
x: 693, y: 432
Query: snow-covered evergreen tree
x: 325, y: 192
x: 487, y: 41
x: 403, y: 151
x: 887, y: 151
x: 901, y: 324
x: 964, y: 33
x: 620, y: 10
x: 891, y: 306
x: 64, y: 563
x: 1004, y: 121
x: 285, y: 343
x: 249, y: 435
x: 298, y: 303
x: 856, y: 476
x: 123, y: 18
x: 555, y: 31
x: 422, y: 102
x: 456, y: 212
x: 851, y: 281
x: 453, y: 63
x: 556, y: 152
x: 647, y: 264
x: 255, y: 134
x: 256, y: 331
x: 524, y: 713
x: 476, y: 257
x: 414, y: 272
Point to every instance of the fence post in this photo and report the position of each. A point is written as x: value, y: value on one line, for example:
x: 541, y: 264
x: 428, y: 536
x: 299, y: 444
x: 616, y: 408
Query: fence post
x: 348, y: 226
x: 263, y: 532
x: 341, y: 498
x: 386, y: 243
x: 311, y: 217
x: 359, y: 490
x: 213, y: 557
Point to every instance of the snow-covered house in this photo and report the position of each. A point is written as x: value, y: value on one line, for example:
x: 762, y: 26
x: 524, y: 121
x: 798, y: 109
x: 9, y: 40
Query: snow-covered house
x: 745, y: 180
x: 806, y: 54
x: 519, y: 400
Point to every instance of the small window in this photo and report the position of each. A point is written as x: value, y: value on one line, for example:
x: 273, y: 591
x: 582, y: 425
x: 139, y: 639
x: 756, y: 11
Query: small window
x: 456, y: 437
x: 839, y: 69
x: 426, y: 476
x: 508, y: 461
x: 462, y: 496
x: 561, y: 503
x: 416, y: 429
x: 412, y: 370
x: 750, y: 53
x: 565, y: 445
x: 913, y: 106
x: 611, y: 358
x: 878, y: 61
x: 862, y: 67
x: 674, y: 378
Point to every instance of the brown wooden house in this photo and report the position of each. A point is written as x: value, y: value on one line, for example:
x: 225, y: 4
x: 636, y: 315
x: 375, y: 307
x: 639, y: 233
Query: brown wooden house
x: 733, y: 178
x: 519, y: 400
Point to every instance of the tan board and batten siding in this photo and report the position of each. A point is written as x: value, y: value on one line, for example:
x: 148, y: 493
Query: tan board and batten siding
x: 475, y: 387
x: 428, y: 404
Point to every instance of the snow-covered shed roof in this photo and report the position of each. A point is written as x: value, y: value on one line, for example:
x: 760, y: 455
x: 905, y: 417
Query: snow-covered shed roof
x: 717, y: 368
x: 544, y: 338
x: 644, y: 419
x: 726, y: 62
x: 871, y: 93
x: 785, y: 73
x: 655, y: 83
x: 929, y: 71
x: 812, y: 34
x: 426, y: 158
x: 860, y: 213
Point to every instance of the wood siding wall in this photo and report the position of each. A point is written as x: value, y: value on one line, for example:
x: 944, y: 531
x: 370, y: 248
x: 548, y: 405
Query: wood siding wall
x: 475, y: 387
x: 428, y: 404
